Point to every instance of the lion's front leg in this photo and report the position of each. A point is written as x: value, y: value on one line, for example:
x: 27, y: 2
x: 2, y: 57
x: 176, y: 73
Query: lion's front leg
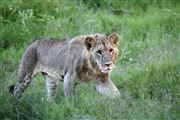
x: 69, y: 84
x: 106, y: 87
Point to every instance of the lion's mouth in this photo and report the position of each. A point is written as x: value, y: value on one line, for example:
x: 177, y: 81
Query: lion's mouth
x: 105, y: 70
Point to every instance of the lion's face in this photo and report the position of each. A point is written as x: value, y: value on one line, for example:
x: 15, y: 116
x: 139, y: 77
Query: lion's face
x: 103, y: 51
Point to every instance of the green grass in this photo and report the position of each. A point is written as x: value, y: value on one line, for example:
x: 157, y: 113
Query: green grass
x: 147, y: 72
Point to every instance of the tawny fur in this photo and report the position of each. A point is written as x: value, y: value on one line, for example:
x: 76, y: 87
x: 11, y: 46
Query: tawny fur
x: 83, y: 58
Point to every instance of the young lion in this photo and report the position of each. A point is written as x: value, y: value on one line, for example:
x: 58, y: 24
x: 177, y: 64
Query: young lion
x: 80, y: 59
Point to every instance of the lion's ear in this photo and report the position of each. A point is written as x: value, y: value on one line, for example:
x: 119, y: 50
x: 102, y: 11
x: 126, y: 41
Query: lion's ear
x: 89, y: 42
x: 113, y: 38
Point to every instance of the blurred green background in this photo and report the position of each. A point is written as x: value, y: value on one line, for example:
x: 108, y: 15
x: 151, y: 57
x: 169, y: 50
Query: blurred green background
x: 148, y: 69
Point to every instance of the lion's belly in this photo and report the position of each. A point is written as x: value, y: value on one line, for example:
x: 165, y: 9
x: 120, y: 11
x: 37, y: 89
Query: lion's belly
x: 53, y: 72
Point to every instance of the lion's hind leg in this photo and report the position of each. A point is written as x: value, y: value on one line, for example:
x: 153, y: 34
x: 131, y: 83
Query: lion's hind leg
x: 51, y: 85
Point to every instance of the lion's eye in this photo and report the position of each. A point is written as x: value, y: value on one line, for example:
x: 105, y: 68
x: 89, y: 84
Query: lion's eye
x: 99, y: 52
x: 111, y: 50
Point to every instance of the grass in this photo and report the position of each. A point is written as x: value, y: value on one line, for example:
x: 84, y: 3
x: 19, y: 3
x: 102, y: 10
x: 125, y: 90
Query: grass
x: 147, y: 72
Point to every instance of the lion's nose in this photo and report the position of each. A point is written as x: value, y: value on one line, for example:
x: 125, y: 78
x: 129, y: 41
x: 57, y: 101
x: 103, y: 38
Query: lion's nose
x: 108, y: 64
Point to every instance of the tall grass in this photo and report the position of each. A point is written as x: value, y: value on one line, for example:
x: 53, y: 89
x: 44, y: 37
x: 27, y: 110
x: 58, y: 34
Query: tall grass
x: 148, y: 69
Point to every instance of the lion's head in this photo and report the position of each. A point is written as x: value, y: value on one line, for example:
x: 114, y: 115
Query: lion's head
x: 103, y: 51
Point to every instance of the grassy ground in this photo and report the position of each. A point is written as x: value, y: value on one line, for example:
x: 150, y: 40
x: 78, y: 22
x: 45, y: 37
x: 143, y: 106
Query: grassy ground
x: 147, y: 73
